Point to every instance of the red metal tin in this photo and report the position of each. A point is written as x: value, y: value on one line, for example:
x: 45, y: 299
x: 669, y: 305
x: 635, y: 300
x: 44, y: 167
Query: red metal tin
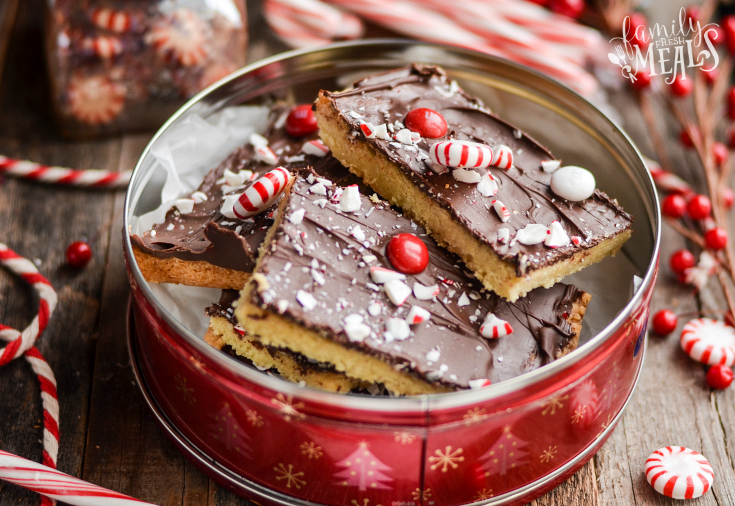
x: 279, y: 443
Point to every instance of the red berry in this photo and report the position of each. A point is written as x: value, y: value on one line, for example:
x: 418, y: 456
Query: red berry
x: 571, y: 8
x: 715, y: 238
x: 711, y: 75
x: 681, y: 260
x: 643, y: 80
x: 719, y: 377
x: 301, y: 121
x: 728, y: 197
x: 721, y: 153
x: 407, y: 253
x: 692, y: 13
x: 427, y: 122
x: 681, y: 87
x: 716, y: 35
x: 665, y: 322
x: 728, y: 26
x: 674, y: 206
x: 540, y: 2
x: 637, y: 31
x: 686, y: 138
x: 699, y: 207
x: 78, y: 254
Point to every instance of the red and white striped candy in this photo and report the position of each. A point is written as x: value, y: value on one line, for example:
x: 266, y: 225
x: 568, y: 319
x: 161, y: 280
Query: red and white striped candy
x: 95, y: 100
x: 461, y: 154
x: 502, y: 157
x: 315, y: 148
x: 679, y: 473
x: 493, y: 327
x: 103, y: 46
x: 709, y: 341
x: 59, y: 175
x: 417, y: 315
x: 57, y: 485
x: 266, y: 155
x: 180, y: 37
x: 503, y: 212
x: 368, y: 129
x: 479, y: 383
x: 262, y: 194
x: 115, y: 21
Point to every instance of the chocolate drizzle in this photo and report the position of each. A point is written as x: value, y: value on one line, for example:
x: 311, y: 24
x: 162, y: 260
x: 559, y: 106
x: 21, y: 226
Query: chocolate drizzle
x: 206, y: 234
x: 324, y: 241
x: 524, y: 189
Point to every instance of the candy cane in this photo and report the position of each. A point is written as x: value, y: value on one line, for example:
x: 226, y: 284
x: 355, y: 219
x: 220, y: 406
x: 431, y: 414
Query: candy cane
x: 43, y: 479
x: 59, y: 486
x: 290, y: 30
x: 319, y: 18
x: 90, y: 178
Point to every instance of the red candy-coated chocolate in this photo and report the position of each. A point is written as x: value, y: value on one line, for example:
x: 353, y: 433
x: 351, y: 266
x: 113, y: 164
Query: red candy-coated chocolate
x: 719, y: 377
x: 426, y: 122
x: 407, y: 253
x: 728, y: 197
x: 715, y: 238
x: 720, y: 151
x: 665, y: 322
x: 571, y: 8
x: 699, y: 207
x: 301, y: 121
x: 78, y: 254
x: 682, y: 86
x: 674, y: 206
x: 728, y: 26
x: 681, y: 260
x: 643, y: 80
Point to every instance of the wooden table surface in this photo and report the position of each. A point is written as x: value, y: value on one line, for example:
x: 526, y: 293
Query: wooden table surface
x: 108, y: 436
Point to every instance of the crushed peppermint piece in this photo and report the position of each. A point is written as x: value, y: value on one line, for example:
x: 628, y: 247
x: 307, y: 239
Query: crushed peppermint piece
x: 382, y: 275
x: 297, y: 216
x: 199, y: 197
x: 318, y: 277
x: 466, y: 176
x: 422, y: 292
x: 358, y: 233
x: 533, y: 233
x: 227, y: 206
x: 368, y: 129
x: 557, y: 236
x: 503, y: 235
x: 433, y: 355
x: 350, y: 200
x: 374, y: 309
x: 315, y: 148
x: 321, y: 203
x: 356, y: 115
x: 282, y: 305
x: 463, y: 300
x: 503, y: 212
x: 353, y: 318
x: 417, y: 315
x: 398, y: 328
x: 258, y: 140
x: 381, y: 132
x: 306, y: 299
x: 517, y: 133
x: 487, y: 185
x: 266, y: 155
x: 318, y: 189
x: 368, y: 259
x: 550, y: 166
x: 479, y: 383
x: 397, y: 291
x: 493, y: 327
x: 185, y: 206
x: 357, y: 332
x: 295, y: 159
x: 404, y: 136
x: 236, y: 179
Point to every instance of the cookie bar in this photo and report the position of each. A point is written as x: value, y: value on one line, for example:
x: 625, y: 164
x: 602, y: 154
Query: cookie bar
x: 224, y: 331
x: 324, y: 287
x: 199, y: 245
x: 496, y: 218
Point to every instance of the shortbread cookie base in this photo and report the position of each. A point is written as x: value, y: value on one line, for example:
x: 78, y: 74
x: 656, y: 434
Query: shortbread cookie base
x: 222, y: 332
x: 183, y: 272
x: 390, y: 182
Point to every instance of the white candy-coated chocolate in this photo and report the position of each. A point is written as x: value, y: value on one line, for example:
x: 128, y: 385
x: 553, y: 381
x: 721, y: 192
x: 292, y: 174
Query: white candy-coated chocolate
x: 573, y: 183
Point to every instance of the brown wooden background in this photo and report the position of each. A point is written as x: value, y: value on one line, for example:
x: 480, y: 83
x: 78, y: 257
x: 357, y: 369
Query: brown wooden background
x: 109, y: 438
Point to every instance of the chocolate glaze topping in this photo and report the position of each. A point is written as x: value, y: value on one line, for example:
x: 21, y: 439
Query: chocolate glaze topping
x: 206, y: 234
x: 524, y: 189
x: 321, y: 256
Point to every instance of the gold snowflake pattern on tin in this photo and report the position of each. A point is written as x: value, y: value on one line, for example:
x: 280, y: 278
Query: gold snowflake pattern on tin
x: 186, y: 392
x: 550, y: 406
x: 405, y: 438
x: 475, y: 415
x: 421, y: 495
x: 288, y: 408
x: 579, y: 414
x: 291, y: 477
x: 485, y: 493
x: 311, y: 450
x: 548, y: 455
x: 365, y: 502
x: 254, y: 418
x: 447, y: 459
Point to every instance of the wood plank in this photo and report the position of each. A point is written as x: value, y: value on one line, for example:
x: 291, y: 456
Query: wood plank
x: 579, y: 490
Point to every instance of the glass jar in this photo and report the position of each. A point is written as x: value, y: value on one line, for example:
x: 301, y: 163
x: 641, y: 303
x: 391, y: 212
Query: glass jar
x: 123, y: 65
